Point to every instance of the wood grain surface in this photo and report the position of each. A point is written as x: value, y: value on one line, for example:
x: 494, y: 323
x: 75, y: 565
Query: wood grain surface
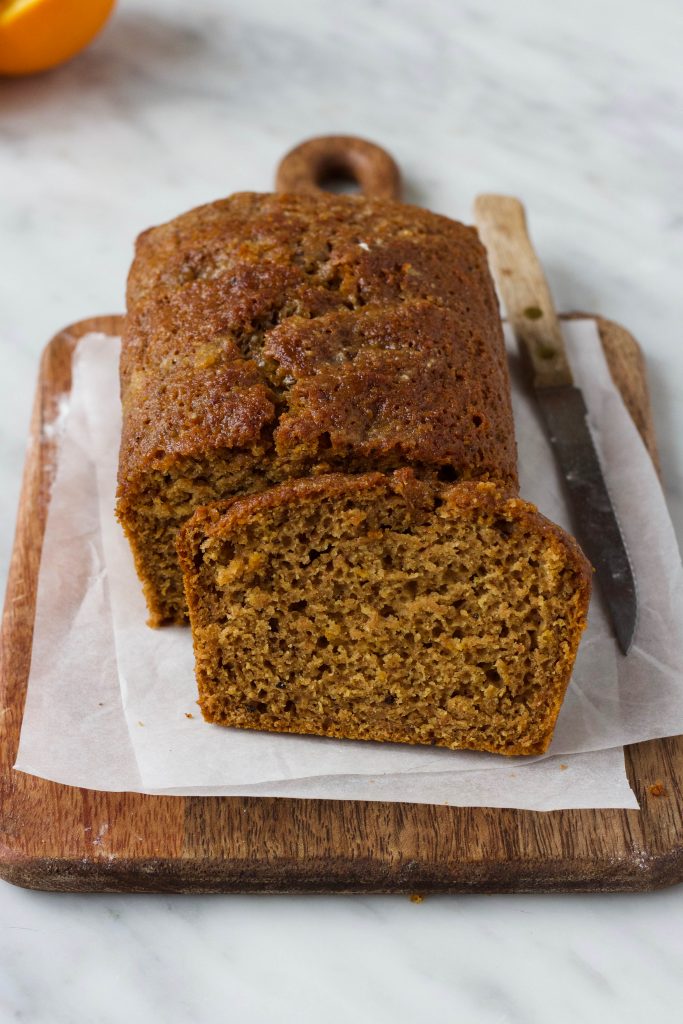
x: 313, y: 164
x: 221, y: 844
x: 521, y: 281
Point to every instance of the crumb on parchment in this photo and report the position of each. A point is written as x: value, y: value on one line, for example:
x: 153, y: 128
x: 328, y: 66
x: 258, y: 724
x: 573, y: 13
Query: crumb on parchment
x: 416, y: 897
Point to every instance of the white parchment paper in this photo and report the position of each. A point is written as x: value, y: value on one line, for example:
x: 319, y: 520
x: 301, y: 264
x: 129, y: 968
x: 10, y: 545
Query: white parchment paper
x: 109, y: 699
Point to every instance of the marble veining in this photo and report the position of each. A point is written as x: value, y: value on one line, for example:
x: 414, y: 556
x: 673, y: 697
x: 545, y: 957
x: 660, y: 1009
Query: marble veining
x: 577, y: 109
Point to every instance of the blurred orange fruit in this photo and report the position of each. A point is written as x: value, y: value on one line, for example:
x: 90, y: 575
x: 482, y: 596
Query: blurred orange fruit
x: 39, y: 34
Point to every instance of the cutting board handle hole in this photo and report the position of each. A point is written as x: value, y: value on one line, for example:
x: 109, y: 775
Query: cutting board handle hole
x: 341, y: 164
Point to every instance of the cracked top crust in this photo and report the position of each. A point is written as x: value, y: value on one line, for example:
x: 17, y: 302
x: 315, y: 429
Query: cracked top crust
x: 309, y: 328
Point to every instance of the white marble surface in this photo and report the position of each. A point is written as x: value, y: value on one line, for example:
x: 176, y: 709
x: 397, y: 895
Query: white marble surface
x: 576, y: 108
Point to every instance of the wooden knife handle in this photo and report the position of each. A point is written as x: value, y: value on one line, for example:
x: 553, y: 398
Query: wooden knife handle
x: 501, y: 222
x: 311, y: 164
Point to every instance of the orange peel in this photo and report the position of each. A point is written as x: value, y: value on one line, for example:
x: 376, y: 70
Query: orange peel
x: 36, y: 35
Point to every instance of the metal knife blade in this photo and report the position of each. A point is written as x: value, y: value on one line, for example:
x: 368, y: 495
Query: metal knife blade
x: 519, y: 275
x: 565, y: 414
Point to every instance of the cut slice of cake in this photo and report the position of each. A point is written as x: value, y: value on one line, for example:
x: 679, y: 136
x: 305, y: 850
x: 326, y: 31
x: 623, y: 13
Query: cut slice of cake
x: 383, y: 607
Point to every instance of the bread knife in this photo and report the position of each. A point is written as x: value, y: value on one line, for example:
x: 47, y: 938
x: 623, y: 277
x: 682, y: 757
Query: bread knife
x: 501, y: 222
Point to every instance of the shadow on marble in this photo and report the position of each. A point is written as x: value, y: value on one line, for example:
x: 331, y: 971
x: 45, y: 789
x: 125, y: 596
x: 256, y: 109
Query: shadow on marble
x: 135, y: 56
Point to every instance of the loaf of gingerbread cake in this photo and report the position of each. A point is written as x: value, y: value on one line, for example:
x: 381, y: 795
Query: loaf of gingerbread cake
x: 318, y: 462
x: 272, y: 337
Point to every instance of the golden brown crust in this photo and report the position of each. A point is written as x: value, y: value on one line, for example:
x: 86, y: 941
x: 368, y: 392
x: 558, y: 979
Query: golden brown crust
x: 306, y: 327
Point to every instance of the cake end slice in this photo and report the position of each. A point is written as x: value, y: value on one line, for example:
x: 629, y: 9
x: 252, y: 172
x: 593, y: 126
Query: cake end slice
x: 382, y: 607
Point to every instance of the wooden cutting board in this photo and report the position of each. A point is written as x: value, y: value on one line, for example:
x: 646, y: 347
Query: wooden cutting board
x: 60, y: 838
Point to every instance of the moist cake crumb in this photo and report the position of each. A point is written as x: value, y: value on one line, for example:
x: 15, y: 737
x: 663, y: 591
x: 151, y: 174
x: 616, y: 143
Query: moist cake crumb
x: 384, y: 607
